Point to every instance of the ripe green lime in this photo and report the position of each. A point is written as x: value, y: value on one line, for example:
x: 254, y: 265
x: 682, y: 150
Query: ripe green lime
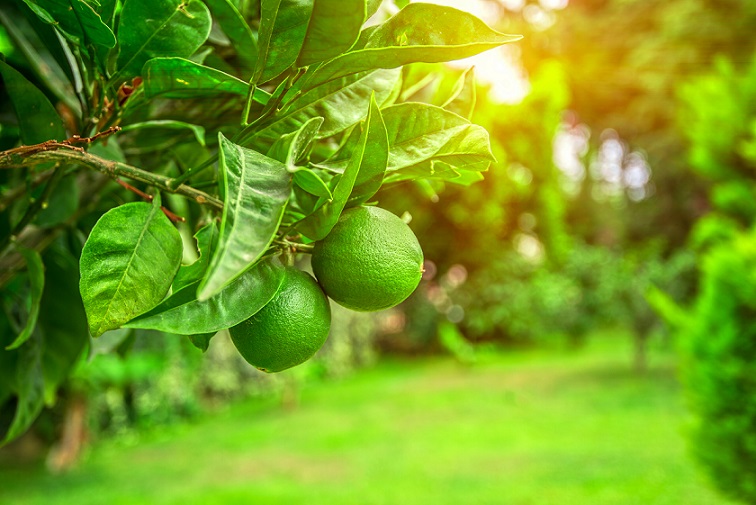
x: 289, y: 329
x: 371, y: 260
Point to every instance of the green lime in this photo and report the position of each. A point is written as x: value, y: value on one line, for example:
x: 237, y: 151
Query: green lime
x: 289, y: 329
x: 371, y: 260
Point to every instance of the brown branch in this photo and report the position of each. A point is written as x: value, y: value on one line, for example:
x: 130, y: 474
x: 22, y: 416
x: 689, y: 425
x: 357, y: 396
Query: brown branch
x: 64, y: 152
x: 170, y: 215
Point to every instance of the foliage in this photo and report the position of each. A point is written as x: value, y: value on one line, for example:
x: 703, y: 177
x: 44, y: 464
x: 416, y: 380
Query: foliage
x: 252, y: 127
x: 719, y: 340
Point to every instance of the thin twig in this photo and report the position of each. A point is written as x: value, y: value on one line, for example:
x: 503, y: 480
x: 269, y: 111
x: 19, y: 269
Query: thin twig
x: 170, y: 215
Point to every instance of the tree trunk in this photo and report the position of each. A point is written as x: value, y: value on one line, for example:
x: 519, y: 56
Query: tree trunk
x: 66, y: 452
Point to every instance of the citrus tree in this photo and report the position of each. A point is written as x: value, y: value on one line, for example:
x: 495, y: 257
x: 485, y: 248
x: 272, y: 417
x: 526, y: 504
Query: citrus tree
x: 261, y: 129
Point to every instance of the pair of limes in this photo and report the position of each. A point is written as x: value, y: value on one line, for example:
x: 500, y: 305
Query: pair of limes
x: 369, y: 261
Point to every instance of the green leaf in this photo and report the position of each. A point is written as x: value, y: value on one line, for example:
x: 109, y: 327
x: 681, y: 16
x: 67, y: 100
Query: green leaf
x: 341, y: 103
x: 181, y: 78
x: 236, y: 28
x: 464, y: 95
x: 202, y: 340
x: 318, y: 224
x: 418, y: 33
x: 37, y: 280
x: 168, y: 124
x: 182, y: 313
x: 61, y: 205
x: 333, y: 29
x: 312, y: 183
x: 207, y: 241
x: 62, y: 320
x: 76, y: 18
x: 149, y: 29
x: 372, y: 7
x: 420, y: 133
x: 374, y: 163
x: 292, y: 147
x: 257, y: 189
x: 283, y: 26
x: 37, y: 117
x: 29, y: 387
x: 127, y: 264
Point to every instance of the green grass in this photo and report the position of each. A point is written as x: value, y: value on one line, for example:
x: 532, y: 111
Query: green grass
x: 519, y: 429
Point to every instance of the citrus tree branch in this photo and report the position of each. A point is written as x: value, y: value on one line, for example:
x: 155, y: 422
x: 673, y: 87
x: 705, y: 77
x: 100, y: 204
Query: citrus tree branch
x: 62, y: 152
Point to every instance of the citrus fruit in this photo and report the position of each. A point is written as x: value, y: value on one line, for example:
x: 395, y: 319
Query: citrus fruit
x: 369, y: 261
x: 289, y: 329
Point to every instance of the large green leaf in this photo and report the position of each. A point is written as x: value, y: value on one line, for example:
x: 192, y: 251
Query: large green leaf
x: 421, y: 133
x: 37, y: 117
x: 333, y: 29
x: 76, y: 18
x: 127, y: 264
x: 369, y: 154
x: 152, y: 28
x: 181, y: 78
x: 283, y: 27
x: 207, y: 241
x: 418, y: 33
x: 256, y: 190
x: 37, y: 282
x: 236, y: 28
x: 183, y: 314
x: 341, y: 103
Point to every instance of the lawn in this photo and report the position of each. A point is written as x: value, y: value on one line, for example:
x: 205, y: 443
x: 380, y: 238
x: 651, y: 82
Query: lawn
x: 516, y: 429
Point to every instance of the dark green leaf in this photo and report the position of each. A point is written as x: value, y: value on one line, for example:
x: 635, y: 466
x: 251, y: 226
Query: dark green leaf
x: 181, y: 78
x: 202, y: 340
x: 37, y: 281
x: 312, y: 183
x: 236, y: 28
x: 256, y: 190
x: 342, y: 103
x: 183, y: 314
x: 128, y: 264
x: 29, y: 387
x: 76, y: 18
x: 318, y: 224
x: 292, y: 147
x: 149, y: 29
x: 420, y: 133
x: 37, y: 117
x: 333, y: 29
x: 207, y: 241
x: 463, y: 96
x: 418, y: 33
x: 61, y: 205
x: 283, y: 26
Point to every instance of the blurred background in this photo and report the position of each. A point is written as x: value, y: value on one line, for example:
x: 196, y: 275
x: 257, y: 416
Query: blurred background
x: 585, y: 331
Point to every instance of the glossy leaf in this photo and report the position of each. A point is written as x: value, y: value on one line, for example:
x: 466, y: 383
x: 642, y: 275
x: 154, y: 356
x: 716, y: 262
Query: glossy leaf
x: 292, y: 147
x: 333, y: 29
x: 370, y: 150
x: 202, y: 340
x: 207, y: 241
x: 37, y: 117
x: 283, y: 26
x: 182, y: 78
x: 76, y: 18
x: 244, y: 40
x: 420, y: 133
x: 464, y: 95
x: 341, y: 103
x: 257, y: 189
x: 167, y: 124
x: 37, y: 282
x: 182, y: 313
x: 150, y: 29
x: 127, y: 264
x: 418, y: 33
